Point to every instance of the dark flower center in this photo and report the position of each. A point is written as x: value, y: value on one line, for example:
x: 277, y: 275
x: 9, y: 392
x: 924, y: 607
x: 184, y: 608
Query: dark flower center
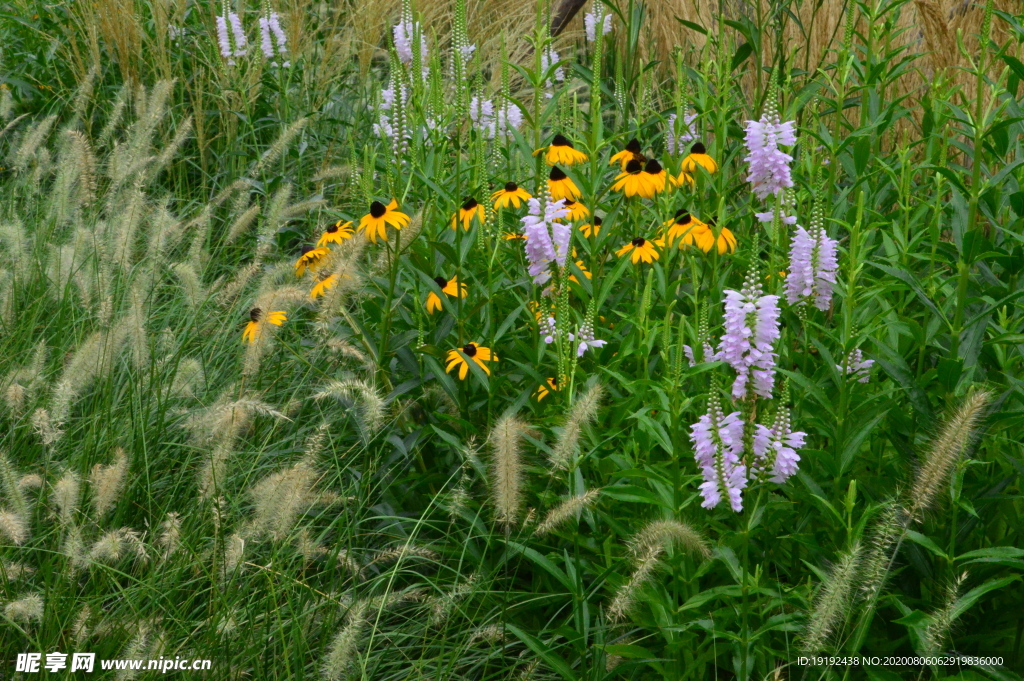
x: 306, y: 249
x: 698, y: 148
x: 560, y: 141
x: 441, y: 282
x: 470, y: 203
x: 711, y: 222
x: 377, y: 209
x: 597, y: 221
x: 653, y: 167
x: 633, y: 146
x: 570, y: 205
x: 333, y: 228
x: 638, y: 242
x: 254, y: 314
x: 634, y: 167
x: 557, y: 174
x: 682, y: 217
x: 511, y: 187
x: 554, y: 382
x: 470, y: 350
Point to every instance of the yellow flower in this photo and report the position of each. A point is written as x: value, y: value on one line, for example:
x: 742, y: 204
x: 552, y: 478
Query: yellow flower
x: 256, y: 321
x: 448, y: 287
x: 655, y: 176
x: 545, y: 389
x: 380, y: 216
x: 471, y: 351
x: 336, y: 233
x: 684, y: 227
x: 592, y: 229
x: 562, y: 151
x: 705, y: 240
x: 633, y: 181
x: 577, y: 211
x: 323, y: 286
x: 698, y: 156
x: 631, y: 152
x: 583, y: 268
x: 512, y: 236
x: 561, y: 187
x: 681, y: 179
x: 639, y: 249
x: 511, y: 195
x: 311, y: 259
x: 469, y: 210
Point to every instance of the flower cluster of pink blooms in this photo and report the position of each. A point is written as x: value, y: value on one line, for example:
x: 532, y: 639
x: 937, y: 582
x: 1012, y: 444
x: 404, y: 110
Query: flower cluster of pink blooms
x: 751, y: 329
x: 547, y: 241
x: 272, y: 38
x: 718, y: 447
x: 231, y: 44
x: 812, y: 265
x: 769, y: 165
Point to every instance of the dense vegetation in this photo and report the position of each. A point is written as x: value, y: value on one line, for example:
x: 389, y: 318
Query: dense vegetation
x: 411, y: 342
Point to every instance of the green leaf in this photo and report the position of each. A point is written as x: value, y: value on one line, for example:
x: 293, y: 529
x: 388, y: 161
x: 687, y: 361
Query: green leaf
x: 964, y: 603
x: 545, y: 653
x: 927, y: 543
x: 692, y: 26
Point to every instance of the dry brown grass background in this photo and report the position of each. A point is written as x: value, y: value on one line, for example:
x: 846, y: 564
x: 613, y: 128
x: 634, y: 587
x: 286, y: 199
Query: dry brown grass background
x: 329, y: 36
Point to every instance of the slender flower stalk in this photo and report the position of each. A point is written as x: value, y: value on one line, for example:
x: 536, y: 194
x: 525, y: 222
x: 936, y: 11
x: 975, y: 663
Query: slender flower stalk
x: 717, y: 446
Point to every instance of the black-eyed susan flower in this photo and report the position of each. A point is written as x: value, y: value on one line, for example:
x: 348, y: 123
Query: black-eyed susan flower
x: 470, y: 352
x: 577, y: 211
x: 593, y: 228
x: 513, y: 236
x: 380, y: 216
x: 698, y: 156
x: 681, y: 179
x: 257, y: 319
x: 705, y: 239
x: 470, y: 209
x: 655, y: 176
x: 632, y: 182
x: 323, y: 286
x: 561, y: 186
x: 639, y: 249
x: 336, y: 233
x: 449, y: 287
x: 683, y: 227
x: 311, y: 259
x: 543, y: 390
x: 630, y: 153
x: 561, y: 151
x: 583, y: 268
x: 511, y: 195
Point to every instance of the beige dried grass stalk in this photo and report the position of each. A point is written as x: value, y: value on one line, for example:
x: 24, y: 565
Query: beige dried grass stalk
x: 833, y: 602
x: 280, y: 498
x: 647, y: 547
x: 26, y: 610
x: 107, y: 483
x: 584, y: 411
x: 345, y: 645
x: 66, y: 496
x: 945, y: 451
x: 371, y: 407
x: 569, y: 508
x: 507, y: 468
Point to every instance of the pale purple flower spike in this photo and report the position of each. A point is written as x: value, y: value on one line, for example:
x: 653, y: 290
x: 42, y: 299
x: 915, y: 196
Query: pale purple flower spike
x: 751, y: 329
x: 541, y: 247
x: 857, y: 366
x: 587, y: 339
x: 590, y: 20
x: 775, y: 448
x: 812, y: 264
x: 717, y: 446
x: 769, y: 165
x: 493, y: 121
